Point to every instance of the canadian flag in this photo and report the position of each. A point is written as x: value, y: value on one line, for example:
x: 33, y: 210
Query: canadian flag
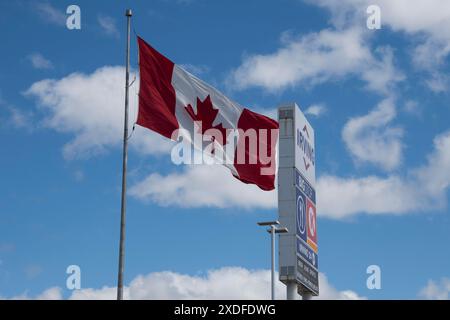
x: 178, y: 105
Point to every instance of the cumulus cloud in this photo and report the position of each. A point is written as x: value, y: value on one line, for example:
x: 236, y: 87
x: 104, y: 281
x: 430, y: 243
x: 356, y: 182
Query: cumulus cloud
x: 337, y: 197
x: 91, y: 107
x: 316, y: 58
x: 316, y: 110
x: 434, y: 177
x: 38, y: 61
x: 224, y: 283
x: 430, y: 48
x: 340, y: 197
x: 400, y: 15
x: 428, y: 21
x: 370, y: 139
x: 202, y: 186
x: 53, y: 293
x: 430, y: 56
x: 436, y: 290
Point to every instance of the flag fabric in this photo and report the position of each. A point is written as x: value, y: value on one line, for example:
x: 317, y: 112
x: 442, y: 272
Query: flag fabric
x: 177, y: 104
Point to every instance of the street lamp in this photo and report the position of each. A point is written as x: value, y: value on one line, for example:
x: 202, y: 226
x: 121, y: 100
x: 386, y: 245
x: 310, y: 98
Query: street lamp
x: 273, y: 229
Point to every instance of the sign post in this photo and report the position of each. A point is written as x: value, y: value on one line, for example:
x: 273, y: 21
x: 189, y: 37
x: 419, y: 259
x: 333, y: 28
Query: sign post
x: 298, y: 250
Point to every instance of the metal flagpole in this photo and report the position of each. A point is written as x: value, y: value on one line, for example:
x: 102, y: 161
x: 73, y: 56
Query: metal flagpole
x: 128, y: 14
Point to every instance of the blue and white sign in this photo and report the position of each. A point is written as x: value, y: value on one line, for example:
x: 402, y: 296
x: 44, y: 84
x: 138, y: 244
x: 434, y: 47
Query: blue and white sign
x: 307, y: 274
x: 298, y: 250
x: 305, y: 186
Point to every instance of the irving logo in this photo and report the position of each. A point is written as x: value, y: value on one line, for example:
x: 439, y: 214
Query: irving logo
x: 305, y: 146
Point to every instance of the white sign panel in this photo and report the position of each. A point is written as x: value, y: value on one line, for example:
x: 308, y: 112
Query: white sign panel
x: 305, y: 159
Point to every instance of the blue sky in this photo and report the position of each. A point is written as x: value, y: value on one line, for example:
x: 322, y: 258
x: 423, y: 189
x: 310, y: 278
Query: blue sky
x: 378, y: 100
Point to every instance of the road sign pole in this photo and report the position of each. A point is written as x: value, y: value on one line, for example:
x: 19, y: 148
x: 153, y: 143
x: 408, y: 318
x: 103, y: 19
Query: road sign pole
x: 307, y: 296
x: 291, y: 290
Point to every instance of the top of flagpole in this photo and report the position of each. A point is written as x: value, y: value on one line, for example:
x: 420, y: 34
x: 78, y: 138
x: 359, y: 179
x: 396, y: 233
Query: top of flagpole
x: 128, y: 13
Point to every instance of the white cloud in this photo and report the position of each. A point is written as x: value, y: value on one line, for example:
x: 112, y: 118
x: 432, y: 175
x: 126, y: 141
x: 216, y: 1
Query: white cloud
x: 430, y: 56
x: 53, y: 293
x: 91, y: 108
x: 202, y: 186
x: 50, y: 14
x: 226, y: 283
x: 437, y: 82
x: 108, y: 25
x: 369, y: 138
x: 339, y: 197
x: 316, y: 58
x: 328, y: 292
x: 316, y: 110
x: 381, y: 75
x: 416, y: 16
x: 38, y: 61
x: 436, y: 291
x: 428, y: 21
x: 434, y: 177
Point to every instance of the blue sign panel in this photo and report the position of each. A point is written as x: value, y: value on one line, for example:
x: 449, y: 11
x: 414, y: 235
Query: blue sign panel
x: 305, y: 251
x: 307, y: 258
x: 308, y: 276
x: 301, y: 215
x: 304, y: 186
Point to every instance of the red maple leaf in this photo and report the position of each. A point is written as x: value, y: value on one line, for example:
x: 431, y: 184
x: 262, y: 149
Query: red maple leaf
x: 207, y: 114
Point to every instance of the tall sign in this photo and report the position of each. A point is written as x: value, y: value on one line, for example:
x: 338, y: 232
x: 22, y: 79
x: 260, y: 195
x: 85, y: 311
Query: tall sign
x: 298, y: 250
